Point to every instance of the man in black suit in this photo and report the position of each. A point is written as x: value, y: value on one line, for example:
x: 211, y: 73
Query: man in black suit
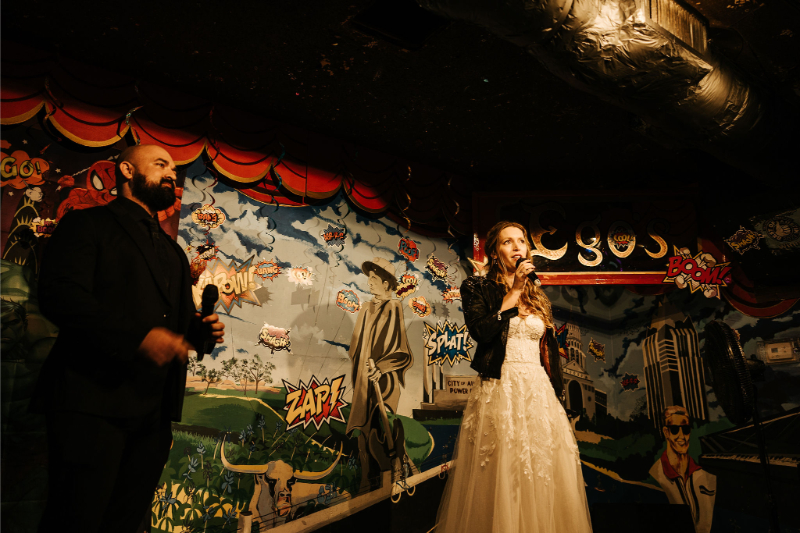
x: 119, y: 290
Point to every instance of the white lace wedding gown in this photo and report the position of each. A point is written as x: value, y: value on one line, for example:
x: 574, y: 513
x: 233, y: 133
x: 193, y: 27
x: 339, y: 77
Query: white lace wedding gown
x: 517, y: 468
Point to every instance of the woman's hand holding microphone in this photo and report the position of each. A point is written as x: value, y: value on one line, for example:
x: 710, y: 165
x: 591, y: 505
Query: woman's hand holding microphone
x: 524, y: 272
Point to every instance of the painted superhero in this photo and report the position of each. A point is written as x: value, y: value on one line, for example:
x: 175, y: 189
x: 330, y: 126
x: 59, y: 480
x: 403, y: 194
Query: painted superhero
x: 100, y: 189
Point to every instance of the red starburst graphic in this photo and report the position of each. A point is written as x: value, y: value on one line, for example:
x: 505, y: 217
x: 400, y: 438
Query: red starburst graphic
x: 316, y: 402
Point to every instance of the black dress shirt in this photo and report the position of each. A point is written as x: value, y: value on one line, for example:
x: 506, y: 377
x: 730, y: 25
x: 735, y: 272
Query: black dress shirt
x: 165, y: 252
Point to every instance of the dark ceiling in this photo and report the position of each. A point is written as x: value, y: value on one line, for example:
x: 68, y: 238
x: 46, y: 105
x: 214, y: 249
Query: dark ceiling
x: 466, y: 101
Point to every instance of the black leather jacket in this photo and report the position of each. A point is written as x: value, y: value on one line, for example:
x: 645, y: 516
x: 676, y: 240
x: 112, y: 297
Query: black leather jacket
x: 482, y: 299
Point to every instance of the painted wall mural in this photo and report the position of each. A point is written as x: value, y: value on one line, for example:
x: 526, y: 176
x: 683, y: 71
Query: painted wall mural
x: 649, y: 426
x: 311, y: 401
x: 633, y: 365
x: 346, y: 361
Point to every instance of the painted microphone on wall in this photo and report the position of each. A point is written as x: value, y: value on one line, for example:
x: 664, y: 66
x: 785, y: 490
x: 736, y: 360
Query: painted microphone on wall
x: 208, y: 302
x: 531, y: 275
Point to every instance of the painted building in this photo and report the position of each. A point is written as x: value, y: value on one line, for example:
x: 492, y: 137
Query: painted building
x: 600, y: 402
x: 577, y: 382
x: 672, y: 366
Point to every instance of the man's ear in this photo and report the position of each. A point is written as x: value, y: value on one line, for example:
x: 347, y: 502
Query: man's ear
x: 126, y: 168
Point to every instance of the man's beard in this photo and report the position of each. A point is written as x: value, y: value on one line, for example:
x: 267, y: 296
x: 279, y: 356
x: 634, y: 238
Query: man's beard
x: 155, y: 197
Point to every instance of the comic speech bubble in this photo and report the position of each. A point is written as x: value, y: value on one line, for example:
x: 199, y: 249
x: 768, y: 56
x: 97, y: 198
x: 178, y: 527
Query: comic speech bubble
x: 629, y: 382
x: 420, y: 306
x: 451, y: 294
x: 19, y: 170
x: 348, y: 300
x: 597, y: 350
x: 437, y: 268
x: 408, y: 249
x: 699, y: 272
x: 274, y: 338
x: 301, y: 275
x: 268, y: 270
x: 208, y: 217
x: 236, y: 283
x: 407, y: 285
x: 743, y: 240
x: 43, y: 227
x: 333, y: 235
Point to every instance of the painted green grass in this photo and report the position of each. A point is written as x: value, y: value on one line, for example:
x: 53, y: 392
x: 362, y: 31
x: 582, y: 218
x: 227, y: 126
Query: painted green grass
x: 267, y: 396
x: 196, y: 490
x: 619, y: 449
x: 208, y: 442
x: 237, y: 412
x: 418, y: 441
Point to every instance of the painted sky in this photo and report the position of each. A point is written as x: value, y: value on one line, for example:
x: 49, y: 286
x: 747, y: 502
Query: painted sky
x: 624, y: 339
x: 320, y: 331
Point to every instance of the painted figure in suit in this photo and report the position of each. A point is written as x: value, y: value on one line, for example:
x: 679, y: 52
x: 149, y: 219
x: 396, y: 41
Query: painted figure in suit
x: 683, y: 480
x: 119, y: 290
x: 379, y: 336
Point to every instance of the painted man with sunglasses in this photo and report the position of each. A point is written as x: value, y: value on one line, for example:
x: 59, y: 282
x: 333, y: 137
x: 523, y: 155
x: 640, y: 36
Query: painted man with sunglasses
x: 682, y: 479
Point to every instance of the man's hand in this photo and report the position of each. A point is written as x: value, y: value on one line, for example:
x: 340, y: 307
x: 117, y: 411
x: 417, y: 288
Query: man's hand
x: 211, y: 330
x: 217, y: 327
x: 374, y: 374
x: 162, y: 346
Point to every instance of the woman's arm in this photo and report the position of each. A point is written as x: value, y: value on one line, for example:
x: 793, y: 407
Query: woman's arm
x: 511, y: 299
x: 483, y: 321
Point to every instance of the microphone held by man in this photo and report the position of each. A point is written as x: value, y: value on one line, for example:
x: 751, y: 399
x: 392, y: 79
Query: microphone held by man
x: 208, y: 302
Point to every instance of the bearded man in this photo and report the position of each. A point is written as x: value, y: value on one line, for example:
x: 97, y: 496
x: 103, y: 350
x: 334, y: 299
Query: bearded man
x: 119, y: 290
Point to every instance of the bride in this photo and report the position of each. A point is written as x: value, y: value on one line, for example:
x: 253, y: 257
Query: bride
x: 516, y: 468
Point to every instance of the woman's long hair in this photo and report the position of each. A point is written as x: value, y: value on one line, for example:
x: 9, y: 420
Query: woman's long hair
x: 532, y: 296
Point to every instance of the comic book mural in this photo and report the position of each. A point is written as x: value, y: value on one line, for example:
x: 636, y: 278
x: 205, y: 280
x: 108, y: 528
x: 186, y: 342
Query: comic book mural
x: 345, y: 367
x: 311, y: 401
x: 648, y: 423
x: 37, y: 181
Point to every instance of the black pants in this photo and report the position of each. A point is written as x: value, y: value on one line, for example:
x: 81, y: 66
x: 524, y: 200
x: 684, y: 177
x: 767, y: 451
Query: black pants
x: 102, y: 472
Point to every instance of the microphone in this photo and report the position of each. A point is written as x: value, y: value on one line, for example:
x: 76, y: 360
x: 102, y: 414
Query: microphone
x: 531, y: 275
x: 208, y: 302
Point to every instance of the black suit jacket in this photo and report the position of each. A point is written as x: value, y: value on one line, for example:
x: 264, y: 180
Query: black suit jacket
x: 100, y: 284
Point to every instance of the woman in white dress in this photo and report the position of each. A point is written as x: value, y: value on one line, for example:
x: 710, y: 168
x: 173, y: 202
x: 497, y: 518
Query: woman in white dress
x: 516, y: 468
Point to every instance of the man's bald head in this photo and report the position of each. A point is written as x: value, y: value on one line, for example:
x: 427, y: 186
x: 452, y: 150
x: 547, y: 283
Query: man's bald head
x: 146, y: 174
x: 138, y: 156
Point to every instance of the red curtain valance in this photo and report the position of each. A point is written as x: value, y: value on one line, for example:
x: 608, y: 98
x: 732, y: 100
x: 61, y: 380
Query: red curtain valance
x: 266, y: 160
